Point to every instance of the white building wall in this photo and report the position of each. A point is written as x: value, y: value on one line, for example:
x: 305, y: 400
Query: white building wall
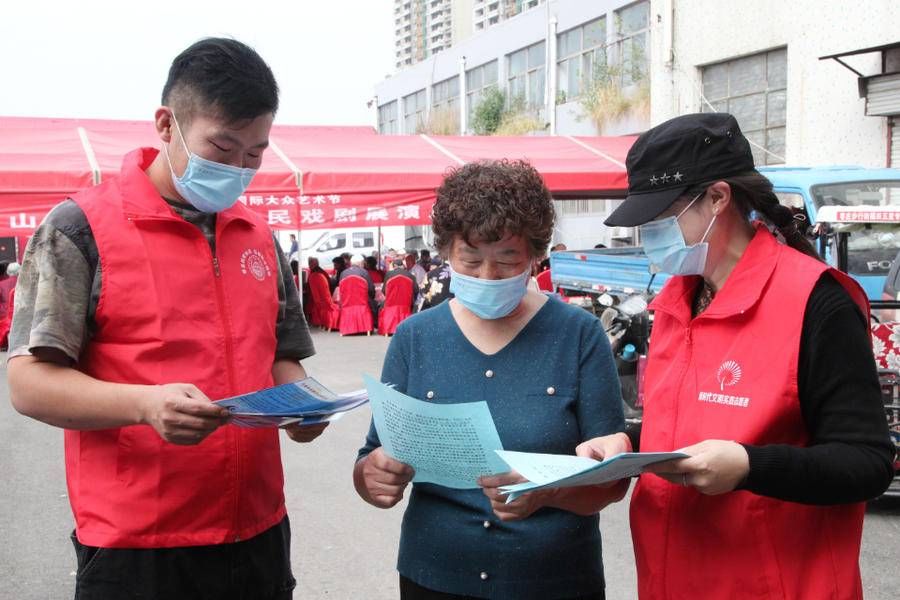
x: 495, y: 43
x: 826, y: 123
x: 462, y: 26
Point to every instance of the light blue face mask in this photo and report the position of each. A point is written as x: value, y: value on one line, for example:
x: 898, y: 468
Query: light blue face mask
x: 664, y: 245
x: 209, y: 186
x: 489, y: 298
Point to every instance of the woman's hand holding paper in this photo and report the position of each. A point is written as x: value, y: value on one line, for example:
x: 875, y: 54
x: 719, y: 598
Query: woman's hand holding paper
x: 382, y: 478
x: 521, y: 507
x: 714, y: 467
x: 601, y: 448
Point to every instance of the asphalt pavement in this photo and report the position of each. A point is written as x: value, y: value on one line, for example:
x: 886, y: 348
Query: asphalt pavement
x: 342, y: 548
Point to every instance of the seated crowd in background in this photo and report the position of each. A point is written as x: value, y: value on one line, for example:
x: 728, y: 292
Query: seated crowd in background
x: 430, y: 276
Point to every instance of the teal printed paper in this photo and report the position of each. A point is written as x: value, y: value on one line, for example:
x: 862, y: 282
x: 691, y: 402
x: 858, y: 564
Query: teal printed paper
x: 447, y: 444
x: 560, y: 470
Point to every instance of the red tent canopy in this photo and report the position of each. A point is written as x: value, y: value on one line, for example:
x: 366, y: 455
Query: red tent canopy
x: 568, y: 165
x: 311, y: 177
x: 39, y: 165
x: 350, y: 180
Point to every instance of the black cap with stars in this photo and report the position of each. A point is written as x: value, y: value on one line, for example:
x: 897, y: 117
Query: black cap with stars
x: 673, y: 157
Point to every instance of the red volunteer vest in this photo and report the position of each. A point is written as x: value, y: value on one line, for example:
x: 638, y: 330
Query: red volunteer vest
x: 731, y: 374
x: 169, y: 312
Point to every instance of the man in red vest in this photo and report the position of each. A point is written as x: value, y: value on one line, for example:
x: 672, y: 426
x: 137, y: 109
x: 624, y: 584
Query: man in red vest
x: 141, y: 300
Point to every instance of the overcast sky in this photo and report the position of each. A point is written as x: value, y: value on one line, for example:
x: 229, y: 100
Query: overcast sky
x: 109, y: 59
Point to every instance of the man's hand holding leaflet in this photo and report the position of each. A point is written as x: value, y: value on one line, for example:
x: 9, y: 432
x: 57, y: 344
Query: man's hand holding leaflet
x: 304, y: 402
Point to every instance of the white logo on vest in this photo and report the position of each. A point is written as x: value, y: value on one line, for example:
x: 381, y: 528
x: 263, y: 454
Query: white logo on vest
x: 254, y: 263
x: 729, y: 374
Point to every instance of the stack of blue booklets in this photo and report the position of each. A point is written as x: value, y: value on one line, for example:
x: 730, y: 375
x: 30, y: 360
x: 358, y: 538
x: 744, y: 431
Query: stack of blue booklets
x: 304, y: 402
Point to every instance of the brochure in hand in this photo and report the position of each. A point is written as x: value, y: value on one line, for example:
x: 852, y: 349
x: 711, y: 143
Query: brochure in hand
x: 305, y: 402
x: 560, y: 470
x: 447, y: 444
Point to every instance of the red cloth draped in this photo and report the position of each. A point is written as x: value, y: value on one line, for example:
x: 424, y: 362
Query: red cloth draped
x: 398, y: 293
x: 324, y: 312
x: 356, y: 315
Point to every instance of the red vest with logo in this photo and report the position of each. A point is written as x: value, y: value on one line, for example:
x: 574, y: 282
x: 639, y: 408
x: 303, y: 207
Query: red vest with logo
x: 169, y: 312
x: 731, y: 374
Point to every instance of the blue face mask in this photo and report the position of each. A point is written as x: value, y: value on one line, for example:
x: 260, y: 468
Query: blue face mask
x: 209, y: 186
x: 489, y: 298
x: 664, y: 245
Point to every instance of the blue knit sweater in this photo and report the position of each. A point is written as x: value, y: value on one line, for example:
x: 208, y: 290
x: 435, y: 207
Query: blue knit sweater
x: 549, y: 389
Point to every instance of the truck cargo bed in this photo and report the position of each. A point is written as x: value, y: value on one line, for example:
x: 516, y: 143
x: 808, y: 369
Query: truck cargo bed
x: 613, y: 270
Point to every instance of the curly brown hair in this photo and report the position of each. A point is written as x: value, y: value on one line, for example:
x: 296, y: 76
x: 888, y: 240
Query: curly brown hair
x: 490, y: 199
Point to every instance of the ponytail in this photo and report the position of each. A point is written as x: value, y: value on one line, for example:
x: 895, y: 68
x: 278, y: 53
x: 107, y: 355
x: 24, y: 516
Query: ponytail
x: 753, y: 192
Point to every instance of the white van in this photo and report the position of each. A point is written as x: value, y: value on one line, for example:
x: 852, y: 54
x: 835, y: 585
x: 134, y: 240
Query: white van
x: 329, y: 243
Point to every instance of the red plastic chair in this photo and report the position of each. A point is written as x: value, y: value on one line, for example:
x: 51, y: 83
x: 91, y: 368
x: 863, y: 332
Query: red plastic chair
x: 324, y: 312
x: 356, y: 315
x: 398, y: 295
x: 545, y: 284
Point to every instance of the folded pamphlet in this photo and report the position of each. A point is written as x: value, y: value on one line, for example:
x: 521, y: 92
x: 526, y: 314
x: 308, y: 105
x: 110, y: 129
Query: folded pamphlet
x: 560, y: 470
x: 305, y: 402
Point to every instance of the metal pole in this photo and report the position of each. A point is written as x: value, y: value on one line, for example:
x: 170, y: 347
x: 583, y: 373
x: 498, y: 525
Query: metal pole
x: 463, y: 100
x: 842, y: 248
x: 552, y: 82
x: 299, y: 268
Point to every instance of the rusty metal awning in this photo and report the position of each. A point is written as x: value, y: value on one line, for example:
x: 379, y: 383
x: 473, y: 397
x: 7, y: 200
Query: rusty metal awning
x: 837, y: 57
x: 881, y: 90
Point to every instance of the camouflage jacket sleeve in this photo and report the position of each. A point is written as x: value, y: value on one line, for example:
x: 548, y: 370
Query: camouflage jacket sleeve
x: 53, y: 294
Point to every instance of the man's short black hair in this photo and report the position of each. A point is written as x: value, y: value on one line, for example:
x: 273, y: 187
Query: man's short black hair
x: 222, y: 77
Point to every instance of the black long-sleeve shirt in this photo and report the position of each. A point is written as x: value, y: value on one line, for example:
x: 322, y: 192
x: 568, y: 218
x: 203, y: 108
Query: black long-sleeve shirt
x: 850, y: 453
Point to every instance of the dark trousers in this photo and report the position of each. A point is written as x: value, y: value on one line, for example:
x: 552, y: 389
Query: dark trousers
x: 254, y: 569
x: 410, y: 590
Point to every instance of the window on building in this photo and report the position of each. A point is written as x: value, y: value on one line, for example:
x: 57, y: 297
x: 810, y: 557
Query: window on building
x: 387, y: 118
x: 478, y: 80
x: 525, y: 76
x: 414, y: 112
x: 582, y: 56
x: 754, y: 90
x: 633, y: 33
x: 445, y: 94
x: 444, y: 117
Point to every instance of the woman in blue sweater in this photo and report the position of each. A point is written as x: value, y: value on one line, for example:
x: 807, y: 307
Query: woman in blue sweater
x: 547, y: 374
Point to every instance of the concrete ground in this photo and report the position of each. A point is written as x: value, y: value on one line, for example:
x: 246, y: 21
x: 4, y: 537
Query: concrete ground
x: 342, y: 547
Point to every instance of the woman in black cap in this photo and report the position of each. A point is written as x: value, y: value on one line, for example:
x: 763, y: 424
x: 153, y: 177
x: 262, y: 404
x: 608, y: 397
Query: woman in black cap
x: 760, y: 370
